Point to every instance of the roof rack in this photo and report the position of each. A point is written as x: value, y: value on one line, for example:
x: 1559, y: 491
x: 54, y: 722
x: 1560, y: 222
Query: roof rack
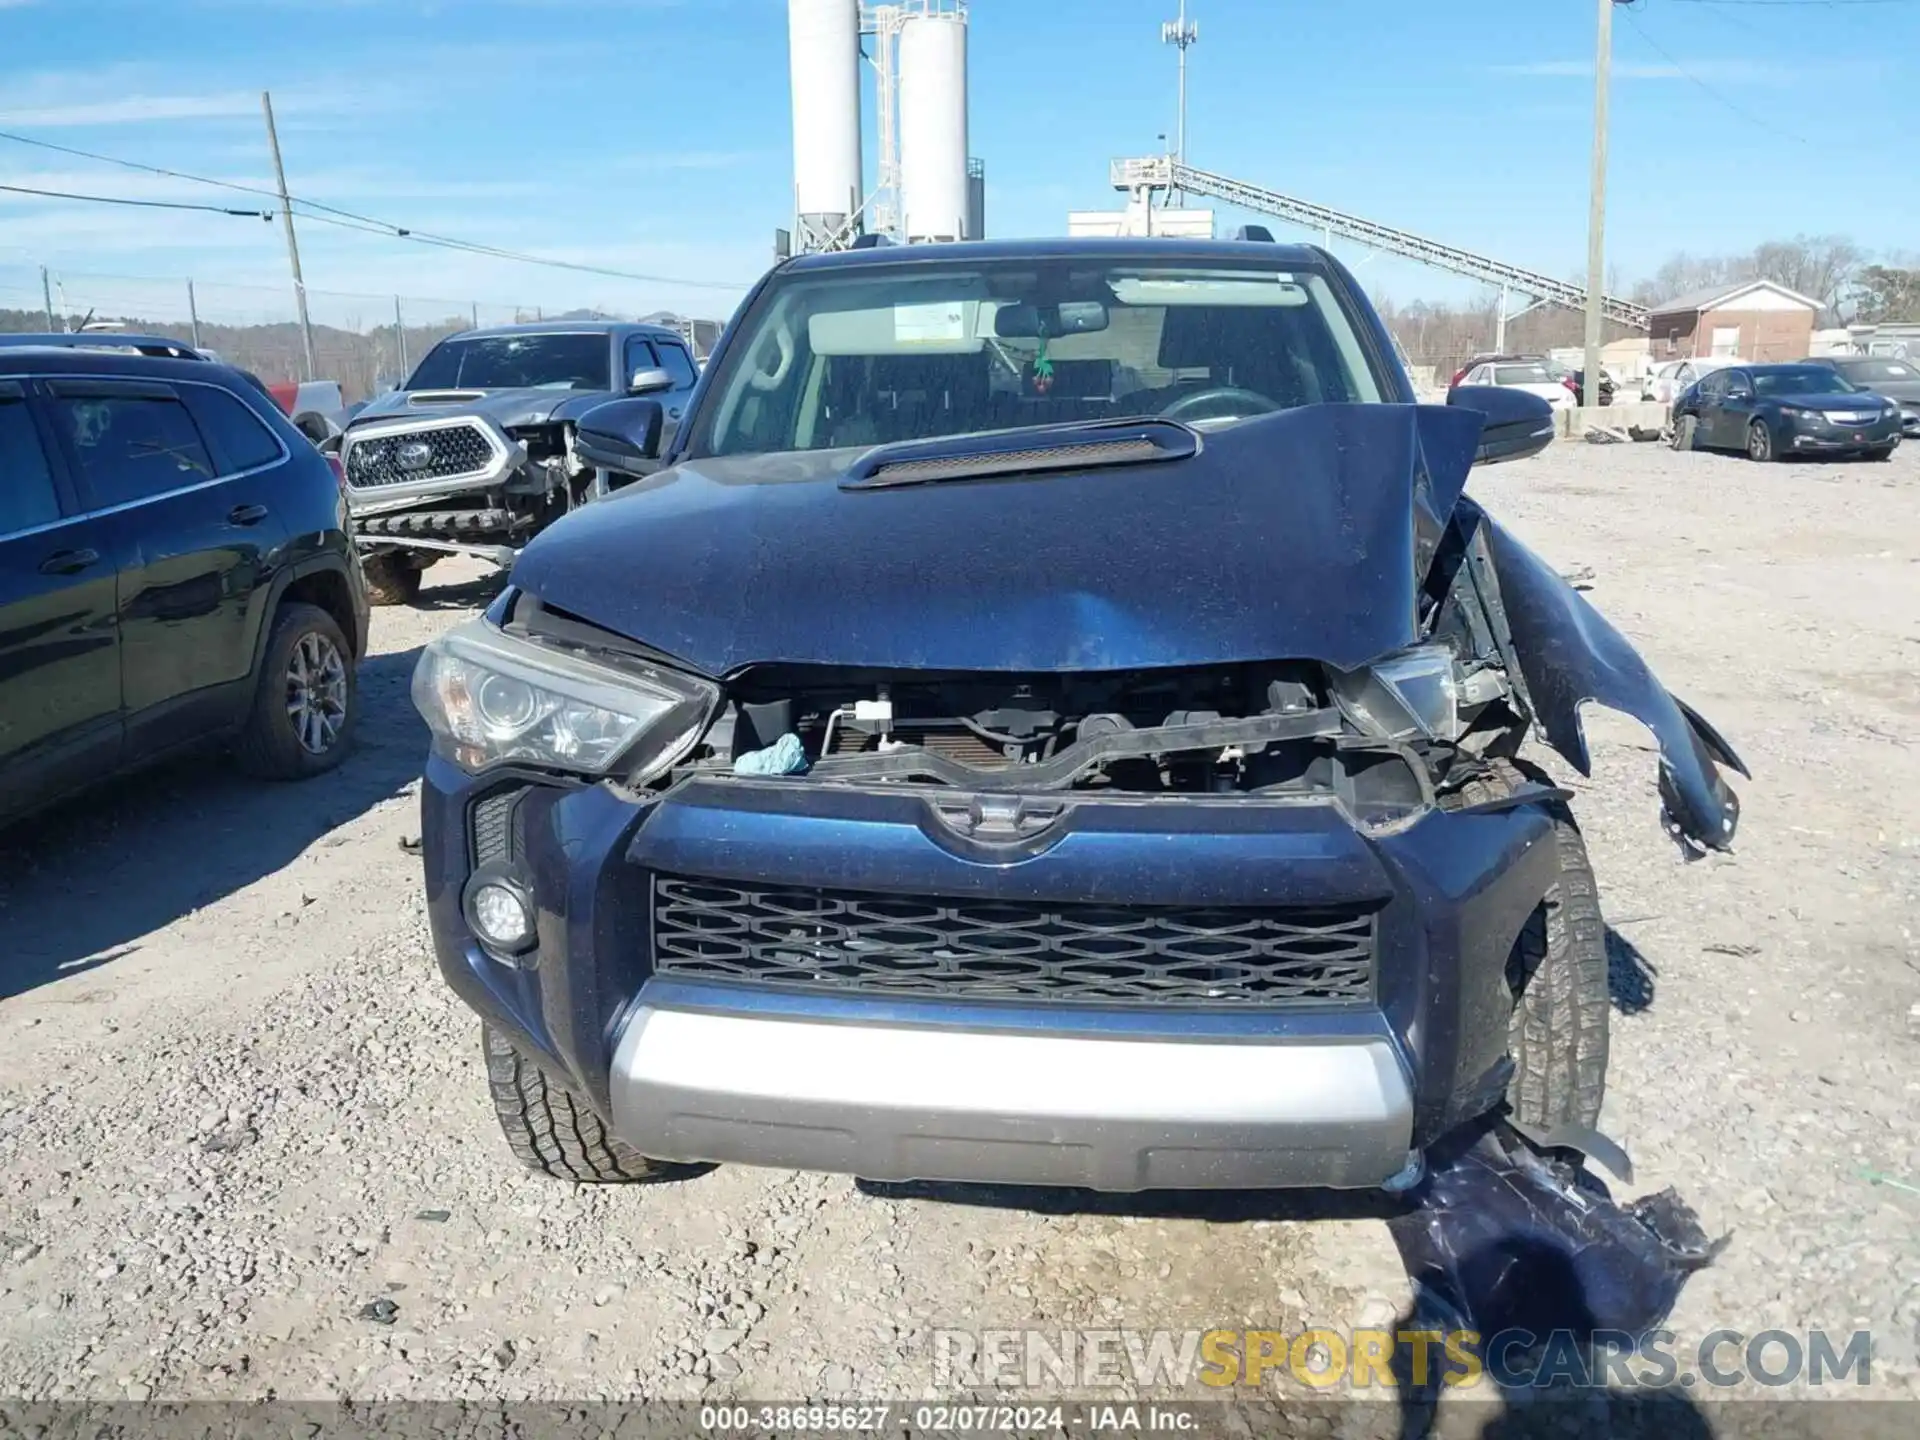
x: 158, y: 346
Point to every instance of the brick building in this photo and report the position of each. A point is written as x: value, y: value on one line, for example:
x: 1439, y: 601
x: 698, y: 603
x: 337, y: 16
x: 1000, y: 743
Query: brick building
x: 1753, y: 320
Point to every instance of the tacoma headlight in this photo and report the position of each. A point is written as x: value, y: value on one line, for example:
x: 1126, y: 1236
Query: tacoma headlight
x: 490, y: 698
x: 1407, y: 695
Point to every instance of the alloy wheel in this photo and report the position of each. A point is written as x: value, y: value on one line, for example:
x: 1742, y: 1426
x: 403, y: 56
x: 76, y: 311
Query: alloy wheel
x: 317, y: 692
x: 1759, y: 441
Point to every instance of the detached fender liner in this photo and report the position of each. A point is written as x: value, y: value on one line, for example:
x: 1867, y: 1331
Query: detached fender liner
x: 1569, y: 654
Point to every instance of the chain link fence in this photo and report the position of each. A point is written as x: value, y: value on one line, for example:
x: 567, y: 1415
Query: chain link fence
x: 367, y: 343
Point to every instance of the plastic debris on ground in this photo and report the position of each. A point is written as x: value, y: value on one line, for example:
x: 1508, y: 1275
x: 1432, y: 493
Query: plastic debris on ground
x: 1531, y: 1252
x: 786, y: 756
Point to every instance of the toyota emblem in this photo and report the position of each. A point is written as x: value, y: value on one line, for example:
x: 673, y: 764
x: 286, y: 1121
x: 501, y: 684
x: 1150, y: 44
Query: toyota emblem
x: 414, y: 455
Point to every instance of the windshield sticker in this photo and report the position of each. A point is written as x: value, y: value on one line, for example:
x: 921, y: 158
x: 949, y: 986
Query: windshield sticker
x: 941, y: 322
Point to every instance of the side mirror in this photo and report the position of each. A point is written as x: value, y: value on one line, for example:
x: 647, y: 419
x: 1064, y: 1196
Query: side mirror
x: 1515, y: 424
x: 649, y: 382
x: 621, y: 435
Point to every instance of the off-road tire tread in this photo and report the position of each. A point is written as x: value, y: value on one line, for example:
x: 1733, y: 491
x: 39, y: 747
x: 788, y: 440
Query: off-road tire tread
x: 1558, y: 1036
x: 550, y: 1129
x: 391, y: 580
x: 269, y: 751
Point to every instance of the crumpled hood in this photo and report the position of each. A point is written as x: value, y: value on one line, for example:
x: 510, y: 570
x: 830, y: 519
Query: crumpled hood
x: 504, y: 407
x: 1288, y: 536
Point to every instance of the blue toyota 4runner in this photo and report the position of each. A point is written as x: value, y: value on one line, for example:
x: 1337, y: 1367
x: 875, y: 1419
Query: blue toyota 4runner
x: 1055, y: 718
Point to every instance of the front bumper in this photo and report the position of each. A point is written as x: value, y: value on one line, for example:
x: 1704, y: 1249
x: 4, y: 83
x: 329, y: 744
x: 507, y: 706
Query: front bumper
x: 891, y: 1102
x: 1806, y: 437
x: 1116, y: 1097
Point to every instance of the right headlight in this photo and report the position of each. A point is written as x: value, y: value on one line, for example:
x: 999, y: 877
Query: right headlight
x: 1405, y: 696
x: 490, y: 698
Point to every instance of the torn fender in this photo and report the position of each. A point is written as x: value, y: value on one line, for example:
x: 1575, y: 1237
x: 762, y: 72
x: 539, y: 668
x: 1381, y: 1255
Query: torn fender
x: 1569, y: 654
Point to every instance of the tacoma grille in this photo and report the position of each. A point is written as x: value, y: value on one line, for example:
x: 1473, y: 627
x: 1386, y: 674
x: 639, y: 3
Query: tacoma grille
x: 1010, y: 950
x: 451, y: 451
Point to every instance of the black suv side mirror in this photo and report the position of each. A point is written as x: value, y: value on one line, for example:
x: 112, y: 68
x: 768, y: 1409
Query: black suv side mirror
x: 1516, y: 424
x: 622, y: 435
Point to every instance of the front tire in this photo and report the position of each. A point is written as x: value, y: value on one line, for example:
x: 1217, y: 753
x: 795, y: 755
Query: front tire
x: 392, y: 578
x: 1759, y: 442
x: 551, y: 1129
x: 1884, y: 452
x: 1557, y: 974
x: 1684, y: 432
x: 306, y: 699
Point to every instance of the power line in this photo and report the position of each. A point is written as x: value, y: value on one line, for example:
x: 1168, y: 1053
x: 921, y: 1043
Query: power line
x: 1745, y: 114
x: 144, y: 204
x: 350, y: 220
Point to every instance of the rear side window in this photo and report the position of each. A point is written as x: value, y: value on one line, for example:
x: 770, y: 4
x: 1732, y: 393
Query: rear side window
x: 239, y: 437
x: 133, y: 447
x: 27, y: 496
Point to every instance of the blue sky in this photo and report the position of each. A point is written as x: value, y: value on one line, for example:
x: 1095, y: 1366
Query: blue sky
x: 653, y: 135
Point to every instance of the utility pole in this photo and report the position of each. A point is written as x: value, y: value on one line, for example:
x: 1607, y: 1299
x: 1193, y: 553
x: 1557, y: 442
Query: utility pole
x: 193, y: 315
x: 293, y: 246
x: 46, y: 294
x: 1184, y: 34
x: 400, y: 335
x: 1597, y: 208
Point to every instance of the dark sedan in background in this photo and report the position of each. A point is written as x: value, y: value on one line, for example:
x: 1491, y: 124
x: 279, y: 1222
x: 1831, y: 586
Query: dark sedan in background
x: 1773, y: 411
x: 1896, y: 380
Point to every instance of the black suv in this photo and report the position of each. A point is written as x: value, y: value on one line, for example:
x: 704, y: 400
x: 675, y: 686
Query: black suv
x: 175, y: 569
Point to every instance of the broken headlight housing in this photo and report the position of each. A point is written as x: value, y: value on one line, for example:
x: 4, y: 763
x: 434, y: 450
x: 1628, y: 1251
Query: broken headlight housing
x: 1409, y: 695
x: 490, y: 698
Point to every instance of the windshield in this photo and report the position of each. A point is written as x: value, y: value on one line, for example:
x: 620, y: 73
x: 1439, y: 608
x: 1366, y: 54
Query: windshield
x: 516, y: 362
x: 1868, y: 372
x: 1522, y: 375
x: 871, y: 355
x: 1801, y: 380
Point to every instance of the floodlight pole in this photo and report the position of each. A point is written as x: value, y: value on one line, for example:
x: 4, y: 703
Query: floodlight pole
x: 1597, y: 208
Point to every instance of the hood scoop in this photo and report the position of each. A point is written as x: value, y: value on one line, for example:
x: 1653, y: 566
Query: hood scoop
x: 445, y: 397
x: 1021, y: 452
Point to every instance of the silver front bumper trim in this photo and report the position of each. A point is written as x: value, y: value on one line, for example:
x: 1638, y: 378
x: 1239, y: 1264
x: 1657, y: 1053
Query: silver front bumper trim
x: 897, y: 1103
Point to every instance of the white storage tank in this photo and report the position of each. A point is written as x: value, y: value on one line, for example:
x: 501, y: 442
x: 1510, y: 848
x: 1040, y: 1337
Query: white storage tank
x: 823, y: 39
x: 933, y: 126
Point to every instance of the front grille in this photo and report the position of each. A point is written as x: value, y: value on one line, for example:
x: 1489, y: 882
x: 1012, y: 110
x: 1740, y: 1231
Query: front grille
x: 852, y: 941
x: 451, y: 451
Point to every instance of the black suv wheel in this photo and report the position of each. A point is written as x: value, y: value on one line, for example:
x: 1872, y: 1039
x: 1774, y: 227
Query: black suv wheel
x: 1557, y: 973
x: 304, y: 708
x: 553, y: 1131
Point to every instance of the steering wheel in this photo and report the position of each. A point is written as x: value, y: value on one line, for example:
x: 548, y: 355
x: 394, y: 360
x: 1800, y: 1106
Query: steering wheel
x: 1251, y: 401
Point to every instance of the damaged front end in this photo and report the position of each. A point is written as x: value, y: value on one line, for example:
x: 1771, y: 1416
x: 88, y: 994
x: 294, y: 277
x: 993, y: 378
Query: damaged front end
x: 464, y: 473
x: 1305, y: 604
x: 1193, y: 787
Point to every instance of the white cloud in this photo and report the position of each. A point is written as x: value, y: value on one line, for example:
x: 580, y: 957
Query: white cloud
x: 134, y: 110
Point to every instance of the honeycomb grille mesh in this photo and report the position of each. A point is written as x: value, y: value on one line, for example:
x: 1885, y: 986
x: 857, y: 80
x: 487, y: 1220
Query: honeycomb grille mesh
x: 451, y: 451
x: 997, y: 950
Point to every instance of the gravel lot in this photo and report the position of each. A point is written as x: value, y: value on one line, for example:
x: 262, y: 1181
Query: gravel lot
x: 245, y: 1146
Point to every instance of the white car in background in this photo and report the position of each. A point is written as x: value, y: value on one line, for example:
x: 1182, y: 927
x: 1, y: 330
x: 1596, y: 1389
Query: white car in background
x: 1533, y: 376
x: 1672, y: 379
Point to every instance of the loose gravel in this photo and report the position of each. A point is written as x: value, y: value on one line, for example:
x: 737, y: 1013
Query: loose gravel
x: 246, y: 1148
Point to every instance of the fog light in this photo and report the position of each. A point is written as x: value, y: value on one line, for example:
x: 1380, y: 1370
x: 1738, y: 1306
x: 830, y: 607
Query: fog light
x: 500, y: 915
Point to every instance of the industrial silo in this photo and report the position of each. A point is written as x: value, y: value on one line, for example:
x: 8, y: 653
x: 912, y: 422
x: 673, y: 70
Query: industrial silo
x: 824, y: 54
x: 933, y: 124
